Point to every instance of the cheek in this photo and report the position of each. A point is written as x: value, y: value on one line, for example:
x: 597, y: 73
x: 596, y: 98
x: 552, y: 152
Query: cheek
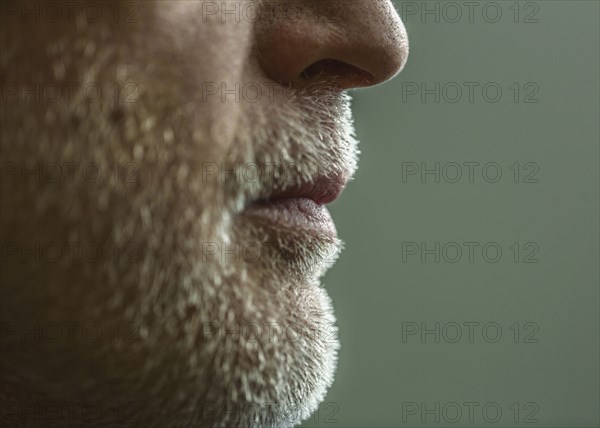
x: 209, y: 63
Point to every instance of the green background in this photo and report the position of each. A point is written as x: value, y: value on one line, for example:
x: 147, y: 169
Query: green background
x: 378, y: 289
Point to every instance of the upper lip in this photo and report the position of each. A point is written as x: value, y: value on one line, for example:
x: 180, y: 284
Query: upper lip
x: 322, y: 190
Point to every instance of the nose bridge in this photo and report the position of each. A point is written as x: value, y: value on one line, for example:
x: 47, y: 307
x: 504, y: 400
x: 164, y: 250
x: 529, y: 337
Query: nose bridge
x: 367, y: 36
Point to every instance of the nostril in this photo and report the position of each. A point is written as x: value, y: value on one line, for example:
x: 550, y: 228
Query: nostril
x: 347, y: 75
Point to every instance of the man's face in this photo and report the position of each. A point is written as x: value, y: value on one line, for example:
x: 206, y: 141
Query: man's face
x: 165, y: 170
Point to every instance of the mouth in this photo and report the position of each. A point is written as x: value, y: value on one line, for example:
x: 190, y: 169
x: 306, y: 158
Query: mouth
x: 302, y: 207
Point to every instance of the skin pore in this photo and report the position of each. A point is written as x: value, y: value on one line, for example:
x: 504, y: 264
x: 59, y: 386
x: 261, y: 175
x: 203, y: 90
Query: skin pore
x: 177, y: 305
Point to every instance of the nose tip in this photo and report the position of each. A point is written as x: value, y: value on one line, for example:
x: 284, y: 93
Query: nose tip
x: 354, y: 43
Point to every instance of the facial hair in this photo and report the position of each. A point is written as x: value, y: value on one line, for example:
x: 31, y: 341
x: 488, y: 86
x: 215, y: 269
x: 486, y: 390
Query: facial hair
x: 229, y: 323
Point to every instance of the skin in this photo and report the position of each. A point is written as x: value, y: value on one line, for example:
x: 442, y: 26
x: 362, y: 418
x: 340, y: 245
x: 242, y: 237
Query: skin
x: 191, y: 335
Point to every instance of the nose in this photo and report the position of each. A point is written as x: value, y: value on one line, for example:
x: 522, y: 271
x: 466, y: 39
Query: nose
x: 354, y: 43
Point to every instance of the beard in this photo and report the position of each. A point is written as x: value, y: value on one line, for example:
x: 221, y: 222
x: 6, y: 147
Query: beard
x: 202, y: 314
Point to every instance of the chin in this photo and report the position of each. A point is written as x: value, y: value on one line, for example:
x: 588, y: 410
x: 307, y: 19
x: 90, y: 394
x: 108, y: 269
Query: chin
x: 188, y: 339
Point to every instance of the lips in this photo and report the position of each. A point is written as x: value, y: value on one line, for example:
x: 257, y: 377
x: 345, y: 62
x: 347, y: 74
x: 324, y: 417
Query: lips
x: 322, y: 190
x: 302, y: 207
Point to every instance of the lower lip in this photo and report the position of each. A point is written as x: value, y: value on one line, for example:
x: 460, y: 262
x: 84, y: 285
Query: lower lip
x: 296, y: 214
